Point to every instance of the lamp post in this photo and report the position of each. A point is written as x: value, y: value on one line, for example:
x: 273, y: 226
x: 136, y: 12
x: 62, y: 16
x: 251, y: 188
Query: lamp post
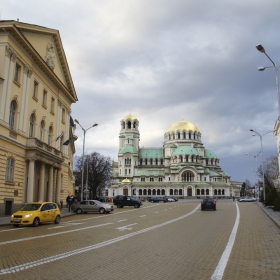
x: 276, y: 67
x: 256, y: 157
x: 84, y: 130
x: 261, y: 135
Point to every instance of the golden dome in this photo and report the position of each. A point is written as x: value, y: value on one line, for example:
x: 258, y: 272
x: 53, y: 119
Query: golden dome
x: 130, y: 117
x: 182, y: 125
x: 126, y: 181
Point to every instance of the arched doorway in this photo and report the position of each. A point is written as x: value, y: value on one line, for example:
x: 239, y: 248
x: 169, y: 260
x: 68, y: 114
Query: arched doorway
x: 125, y: 191
x: 189, y: 191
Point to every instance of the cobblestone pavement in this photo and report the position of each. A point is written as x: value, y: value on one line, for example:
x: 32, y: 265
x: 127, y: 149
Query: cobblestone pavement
x: 157, y: 241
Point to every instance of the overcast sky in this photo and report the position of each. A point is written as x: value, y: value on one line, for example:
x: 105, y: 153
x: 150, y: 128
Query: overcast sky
x: 164, y: 60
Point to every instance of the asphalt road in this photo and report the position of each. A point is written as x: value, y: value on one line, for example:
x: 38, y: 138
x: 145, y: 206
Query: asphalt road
x: 157, y: 241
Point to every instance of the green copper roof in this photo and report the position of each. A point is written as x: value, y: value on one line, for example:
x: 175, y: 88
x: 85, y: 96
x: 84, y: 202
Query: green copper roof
x: 209, y: 154
x: 213, y: 173
x: 185, y: 150
x: 128, y: 149
x: 151, y: 153
x: 150, y: 173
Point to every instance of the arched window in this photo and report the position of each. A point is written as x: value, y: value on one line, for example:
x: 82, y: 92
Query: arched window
x: 10, y: 170
x: 140, y: 192
x: 180, y: 192
x: 181, y: 159
x: 178, y: 135
x: 161, y: 161
x: 158, y: 192
x: 31, y: 125
x: 190, y: 136
x: 207, y: 191
x: 154, y: 192
x: 134, y: 125
x: 141, y: 161
x: 129, y: 124
x: 145, y: 192
x: 12, y: 115
x: 184, y: 135
x: 149, y: 192
x: 187, y: 176
x: 171, y: 191
x: 156, y: 161
x: 50, y: 135
x: 42, y: 130
x: 202, y: 192
x: 198, y: 191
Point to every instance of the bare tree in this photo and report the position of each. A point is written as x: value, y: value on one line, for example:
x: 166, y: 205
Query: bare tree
x: 97, y: 172
x: 271, y: 172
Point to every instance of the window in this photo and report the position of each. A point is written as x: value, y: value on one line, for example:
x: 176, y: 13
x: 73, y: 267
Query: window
x: 52, y: 105
x: 10, y: 170
x: 12, y: 115
x: 44, y: 98
x: 151, y: 179
x: 125, y: 171
x: 160, y: 179
x: 187, y: 176
x: 31, y: 125
x: 42, y: 131
x: 17, y: 73
x: 142, y: 179
x: 35, y: 89
x: 50, y: 135
x: 63, y: 115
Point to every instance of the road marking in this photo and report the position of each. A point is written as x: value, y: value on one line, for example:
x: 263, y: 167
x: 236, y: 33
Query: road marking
x: 121, y: 220
x: 219, y: 271
x: 29, y: 265
x: 156, y: 212
x: 51, y: 234
x: 66, y: 224
x: 10, y: 229
x: 126, y: 227
x: 142, y: 216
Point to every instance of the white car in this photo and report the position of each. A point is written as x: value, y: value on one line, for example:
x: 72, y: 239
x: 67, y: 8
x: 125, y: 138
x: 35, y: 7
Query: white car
x: 247, y: 199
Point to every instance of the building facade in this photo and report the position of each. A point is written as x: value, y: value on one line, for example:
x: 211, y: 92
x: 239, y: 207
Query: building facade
x: 36, y: 93
x: 181, y: 168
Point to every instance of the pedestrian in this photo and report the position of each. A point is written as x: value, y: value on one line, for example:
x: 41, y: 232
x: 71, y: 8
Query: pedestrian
x: 69, y: 202
x: 233, y: 198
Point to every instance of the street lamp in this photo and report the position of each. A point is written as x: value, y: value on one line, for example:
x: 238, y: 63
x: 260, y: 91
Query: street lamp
x: 262, y: 50
x: 261, y: 135
x: 256, y: 157
x: 84, y: 130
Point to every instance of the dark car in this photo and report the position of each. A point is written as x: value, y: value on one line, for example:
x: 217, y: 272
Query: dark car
x: 208, y: 203
x: 125, y: 200
x: 104, y: 199
x: 156, y: 199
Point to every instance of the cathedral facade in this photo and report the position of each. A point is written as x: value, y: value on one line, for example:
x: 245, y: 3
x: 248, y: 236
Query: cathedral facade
x: 182, y: 168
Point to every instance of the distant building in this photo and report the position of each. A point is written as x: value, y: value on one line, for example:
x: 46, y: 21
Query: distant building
x: 181, y: 168
x: 235, y: 188
x: 36, y: 94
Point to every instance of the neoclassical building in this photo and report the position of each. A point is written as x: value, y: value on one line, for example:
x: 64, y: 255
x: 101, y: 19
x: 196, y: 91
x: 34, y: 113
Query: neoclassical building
x: 181, y: 168
x: 36, y: 93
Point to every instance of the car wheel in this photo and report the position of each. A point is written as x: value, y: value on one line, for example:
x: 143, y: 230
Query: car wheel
x: 202, y: 209
x: 215, y: 208
x: 36, y: 222
x: 136, y: 205
x: 119, y: 205
x: 101, y: 210
x: 57, y: 219
x: 79, y: 211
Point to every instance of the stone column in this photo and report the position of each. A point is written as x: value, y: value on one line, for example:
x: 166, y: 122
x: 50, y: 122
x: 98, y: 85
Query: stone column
x: 42, y: 182
x: 58, y: 186
x: 50, y: 190
x: 30, y: 187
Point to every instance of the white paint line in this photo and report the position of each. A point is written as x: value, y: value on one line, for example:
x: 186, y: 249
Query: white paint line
x: 11, y: 229
x: 219, y: 271
x: 121, y: 220
x: 51, y: 234
x: 126, y: 227
x: 142, y: 216
x: 29, y: 265
x: 156, y: 212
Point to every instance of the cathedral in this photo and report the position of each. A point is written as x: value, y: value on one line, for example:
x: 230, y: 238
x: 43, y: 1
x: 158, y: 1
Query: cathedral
x: 182, y: 168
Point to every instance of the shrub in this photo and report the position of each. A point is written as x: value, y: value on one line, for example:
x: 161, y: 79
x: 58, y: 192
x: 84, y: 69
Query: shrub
x: 271, y: 197
x: 277, y: 203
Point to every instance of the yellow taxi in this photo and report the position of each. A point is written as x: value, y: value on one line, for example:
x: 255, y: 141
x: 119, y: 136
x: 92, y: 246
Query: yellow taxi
x: 35, y: 213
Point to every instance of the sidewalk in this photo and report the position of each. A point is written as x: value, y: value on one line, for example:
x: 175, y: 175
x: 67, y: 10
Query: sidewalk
x: 64, y: 213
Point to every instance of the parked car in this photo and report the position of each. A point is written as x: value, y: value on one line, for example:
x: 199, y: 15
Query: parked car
x: 170, y: 199
x: 125, y: 200
x: 104, y: 199
x: 36, y: 213
x: 247, y: 199
x: 208, y: 203
x: 91, y: 206
x: 156, y: 199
